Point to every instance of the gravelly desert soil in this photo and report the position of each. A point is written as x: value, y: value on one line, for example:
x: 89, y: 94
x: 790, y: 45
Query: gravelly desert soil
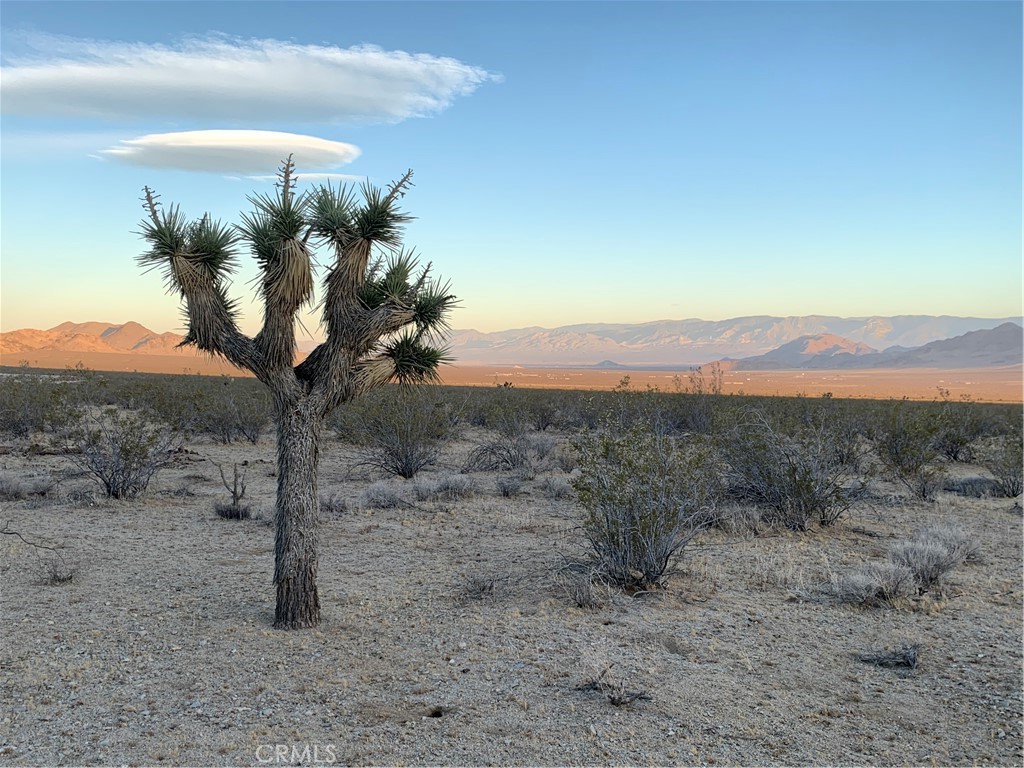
x: 449, y: 637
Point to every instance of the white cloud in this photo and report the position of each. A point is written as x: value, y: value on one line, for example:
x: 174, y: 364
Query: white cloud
x: 230, y: 80
x: 240, y: 152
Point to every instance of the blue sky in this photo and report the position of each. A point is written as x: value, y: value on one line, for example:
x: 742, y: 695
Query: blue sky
x: 574, y: 162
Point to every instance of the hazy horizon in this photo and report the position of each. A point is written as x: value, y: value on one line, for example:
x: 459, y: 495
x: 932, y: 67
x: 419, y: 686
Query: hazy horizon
x: 575, y: 163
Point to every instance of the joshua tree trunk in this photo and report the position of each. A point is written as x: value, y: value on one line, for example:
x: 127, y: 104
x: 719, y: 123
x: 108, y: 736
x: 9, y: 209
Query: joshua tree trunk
x: 382, y: 316
x: 295, y: 548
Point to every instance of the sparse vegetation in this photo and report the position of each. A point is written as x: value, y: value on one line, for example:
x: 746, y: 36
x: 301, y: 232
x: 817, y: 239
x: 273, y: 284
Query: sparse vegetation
x: 382, y: 495
x: 492, y: 554
x: 123, y: 451
x: 504, y: 453
x: 915, y: 566
x: 643, y: 498
x: 401, y: 430
x: 904, y: 440
x: 1005, y: 460
x: 932, y: 554
x: 797, y: 479
x: 236, y: 487
x: 446, y: 487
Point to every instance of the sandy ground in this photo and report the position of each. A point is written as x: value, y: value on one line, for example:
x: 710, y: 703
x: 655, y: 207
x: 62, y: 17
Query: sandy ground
x: 448, y: 639
x: 1005, y: 384
x: 981, y: 384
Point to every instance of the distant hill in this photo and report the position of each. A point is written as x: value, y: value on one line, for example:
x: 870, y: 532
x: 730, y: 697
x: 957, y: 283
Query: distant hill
x: 814, y: 341
x: 127, y: 338
x: 999, y: 346
x: 695, y: 342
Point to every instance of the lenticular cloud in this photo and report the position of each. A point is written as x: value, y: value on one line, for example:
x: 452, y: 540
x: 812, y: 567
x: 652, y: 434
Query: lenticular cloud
x: 240, y: 152
x: 232, y: 81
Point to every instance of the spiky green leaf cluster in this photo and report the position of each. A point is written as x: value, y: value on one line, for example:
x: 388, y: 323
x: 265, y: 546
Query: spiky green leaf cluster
x: 187, y: 252
x: 433, y: 305
x: 390, y: 281
x: 414, y: 360
x: 331, y: 215
x: 379, y: 218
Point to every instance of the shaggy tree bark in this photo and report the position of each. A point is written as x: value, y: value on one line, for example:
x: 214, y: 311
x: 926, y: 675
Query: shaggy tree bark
x: 296, y: 554
x: 383, y: 317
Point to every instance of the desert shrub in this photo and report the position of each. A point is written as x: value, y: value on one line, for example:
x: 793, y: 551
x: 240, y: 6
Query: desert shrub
x: 333, y: 505
x: 16, y: 489
x: 555, y: 487
x: 1005, y: 460
x: 252, y: 414
x: 932, y: 553
x: 974, y: 487
x: 228, y: 415
x: 564, y: 458
x: 904, y: 439
x: 542, y: 446
x: 875, y: 584
x: 504, y: 453
x: 543, y: 415
x: 12, y: 489
x: 30, y: 404
x: 795, y: 479
x: 236, y: 487
x: 181, y: 406
x: 958, y: 424
x: 382, y: 495
x: 508, y: 485
x: 643, y: 498
x: 444, y: 488
x: 124, y: 451
x: 401, y: 430
x: 230, y: 511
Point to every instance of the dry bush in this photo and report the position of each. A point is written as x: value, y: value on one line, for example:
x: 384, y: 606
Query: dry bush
x: 933, y: 553
x: 508, y: 485
x: 555, y: 487
x: 236, y: 487
x: 875, y: 584
x: 1005, y: 460
x: 444, y: 488
x: 958, y: 425
x: 916, y: 565
x: 124, y: 451
x: 382, y: 495
x: 796, y: 479
x: 402, y: 430
x: 904, y: 439
x: 643, y: 499
x: 582, y: 591
x: 30, y: 404
x: 504, y: 453
x: 333, y: 505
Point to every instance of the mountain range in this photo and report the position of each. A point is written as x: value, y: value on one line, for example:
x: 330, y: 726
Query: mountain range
x: 696, y: 342
x: 746, y: 343
x: 999, y: 346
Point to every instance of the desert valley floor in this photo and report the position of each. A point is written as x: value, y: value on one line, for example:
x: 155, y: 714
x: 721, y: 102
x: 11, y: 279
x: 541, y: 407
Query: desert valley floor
x: 450, y: 635
x: 993, y: 384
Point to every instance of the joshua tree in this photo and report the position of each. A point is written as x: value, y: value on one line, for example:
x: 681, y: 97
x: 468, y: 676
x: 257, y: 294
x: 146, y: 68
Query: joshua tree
x: 384, y: 318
